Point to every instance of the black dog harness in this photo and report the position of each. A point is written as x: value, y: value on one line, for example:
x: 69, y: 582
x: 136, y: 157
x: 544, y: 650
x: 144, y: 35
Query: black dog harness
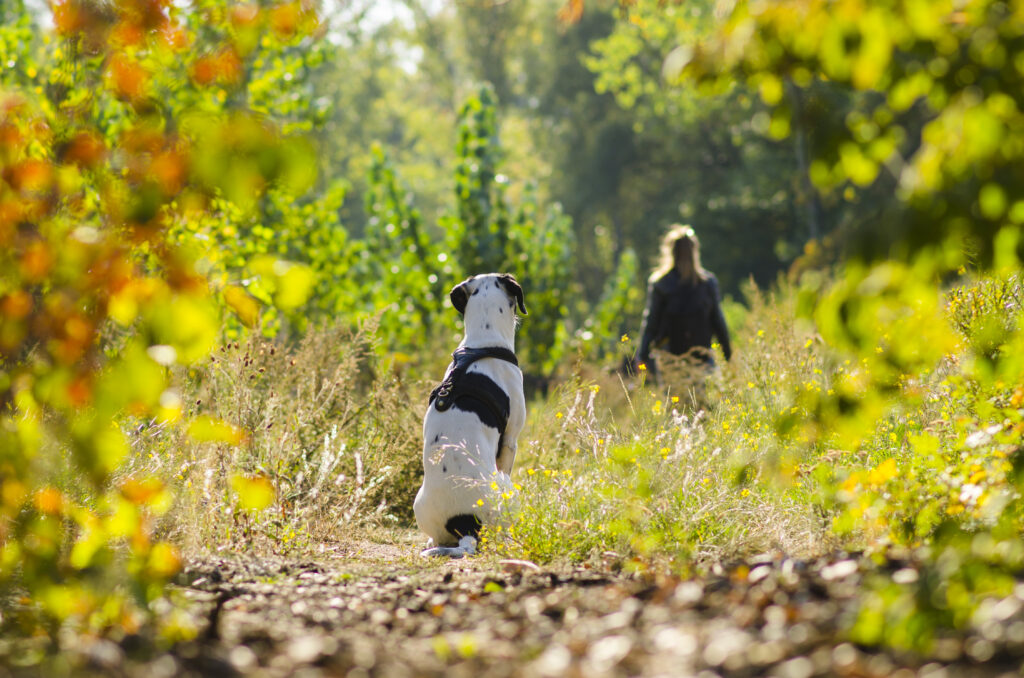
x: 475, y: 392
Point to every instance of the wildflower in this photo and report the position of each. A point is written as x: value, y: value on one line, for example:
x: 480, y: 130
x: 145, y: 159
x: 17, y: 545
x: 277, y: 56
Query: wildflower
x: 595, y: 388
x: 625, y: 338
x: 479, y: 502
x: 760, y: 333
x: 642, y: 367
x: 558, y: 415
x: 808, y: 344
x: 745, y: 492
x: 675, y: 399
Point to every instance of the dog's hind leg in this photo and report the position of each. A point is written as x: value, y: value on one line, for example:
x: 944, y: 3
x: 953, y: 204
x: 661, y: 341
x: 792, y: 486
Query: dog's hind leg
x: 466, y: 547
x: 506, y: 459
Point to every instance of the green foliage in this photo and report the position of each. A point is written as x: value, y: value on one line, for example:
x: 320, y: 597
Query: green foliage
x: 927, y: 417
x: 616, y: 313
x: 477, y: 233
x: 952, y: 66
x: 409, y: 270
x: 156, y: 200
x: 541, y: 255
x: 111, y: 137
x: 705, y: 158
x: 488, y: 233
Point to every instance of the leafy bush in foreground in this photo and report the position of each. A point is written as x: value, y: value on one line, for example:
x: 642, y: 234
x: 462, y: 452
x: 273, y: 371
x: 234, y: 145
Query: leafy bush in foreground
x: 112, y: 133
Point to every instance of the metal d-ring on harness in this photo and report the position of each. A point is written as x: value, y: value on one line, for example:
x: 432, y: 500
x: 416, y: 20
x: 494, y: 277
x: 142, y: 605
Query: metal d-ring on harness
x: 455, y: 387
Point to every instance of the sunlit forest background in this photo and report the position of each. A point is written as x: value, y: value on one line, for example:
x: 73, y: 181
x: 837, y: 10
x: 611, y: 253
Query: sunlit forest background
x: 228, y: 232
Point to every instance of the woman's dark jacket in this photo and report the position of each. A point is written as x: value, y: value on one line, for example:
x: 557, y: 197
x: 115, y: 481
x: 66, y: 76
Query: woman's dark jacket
x: 681, y: 316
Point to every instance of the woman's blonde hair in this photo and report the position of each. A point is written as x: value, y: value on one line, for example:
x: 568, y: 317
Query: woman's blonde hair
x: 680, y: 241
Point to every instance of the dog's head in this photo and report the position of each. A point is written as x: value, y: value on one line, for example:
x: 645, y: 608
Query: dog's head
x: 477, y: 284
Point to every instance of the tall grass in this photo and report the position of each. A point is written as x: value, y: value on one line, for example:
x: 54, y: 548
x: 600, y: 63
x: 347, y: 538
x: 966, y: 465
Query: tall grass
x: 633, y: 467
x: 324, y: 422
x: 609, y: 465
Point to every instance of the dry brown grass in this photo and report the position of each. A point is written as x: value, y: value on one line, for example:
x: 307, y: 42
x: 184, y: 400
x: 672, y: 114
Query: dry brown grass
x: 334, y: 433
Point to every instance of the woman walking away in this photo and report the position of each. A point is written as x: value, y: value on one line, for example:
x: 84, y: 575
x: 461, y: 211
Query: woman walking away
x: 683, y: 312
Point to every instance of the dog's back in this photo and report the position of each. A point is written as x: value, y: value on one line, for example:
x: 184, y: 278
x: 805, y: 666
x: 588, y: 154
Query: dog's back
x: 460, y: 472
x: 471, y: 425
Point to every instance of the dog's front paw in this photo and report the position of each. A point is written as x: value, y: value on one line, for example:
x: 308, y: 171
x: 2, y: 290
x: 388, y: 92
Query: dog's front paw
x: 466, y: 547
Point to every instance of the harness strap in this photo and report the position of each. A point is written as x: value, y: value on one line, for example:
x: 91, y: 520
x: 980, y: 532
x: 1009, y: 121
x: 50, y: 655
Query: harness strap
x: 451, y: 390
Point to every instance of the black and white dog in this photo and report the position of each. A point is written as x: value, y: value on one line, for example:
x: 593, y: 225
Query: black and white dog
x: 473, y: 420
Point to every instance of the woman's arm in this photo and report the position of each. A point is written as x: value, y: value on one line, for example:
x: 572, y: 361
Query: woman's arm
x: 718, y: 326
x: 652, y: 321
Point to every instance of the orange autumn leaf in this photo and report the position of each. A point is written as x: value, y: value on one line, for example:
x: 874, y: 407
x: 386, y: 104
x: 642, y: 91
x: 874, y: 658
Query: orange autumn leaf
x: 10, y: 214
x: 16, y: 305
x: 173, y: 37
x: 204, y: 70
x: 10, y: 137
x: 284, y: 19
x: 66, y: 17
x: 571, y: 12
x: 146, y: 492
x: 79, y: 392
x: 85, y: 149
x: 169, y: 169
x: 49, y: 501
x: 244, y: 14
x: 126, y: 34
x: 31, y: 176
x: 128, y: 78
x: 78, y: 328
x: 224, y: 66
x: 229, y: 66
x: 36, y: 261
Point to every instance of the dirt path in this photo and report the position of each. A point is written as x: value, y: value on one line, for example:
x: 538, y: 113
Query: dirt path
x: 369, y: 609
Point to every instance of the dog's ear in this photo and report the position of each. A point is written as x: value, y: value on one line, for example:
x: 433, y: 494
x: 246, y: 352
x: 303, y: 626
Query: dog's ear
x: 514, y: 290
x: 460, y: 296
